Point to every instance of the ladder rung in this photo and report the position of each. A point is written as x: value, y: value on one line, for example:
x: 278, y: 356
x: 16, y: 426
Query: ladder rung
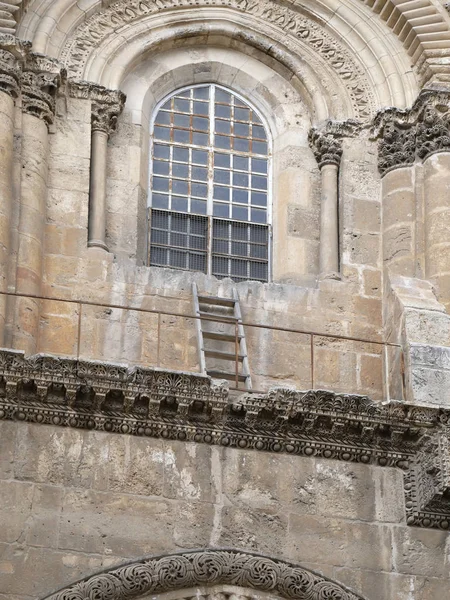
x: 217, y: 300
x: 225, y: 375
x: 224, y: 355
x: 224, y: 337
x: 219, y: 318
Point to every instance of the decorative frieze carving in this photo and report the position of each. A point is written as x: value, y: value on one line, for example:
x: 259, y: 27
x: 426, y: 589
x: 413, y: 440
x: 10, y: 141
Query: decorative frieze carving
x: 187, y: 570
x: 184, y: 406
x: 100, y: 25
x: 40, y: 80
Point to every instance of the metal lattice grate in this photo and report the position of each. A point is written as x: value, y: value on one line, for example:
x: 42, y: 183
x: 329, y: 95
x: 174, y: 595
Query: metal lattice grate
x: 178, y: 240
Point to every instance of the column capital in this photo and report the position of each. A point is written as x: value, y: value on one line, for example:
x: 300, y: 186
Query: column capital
x: 396, y: 131
x: 106, y: 107
x: 326, y: 141
x: 12, y: 53
x: 40, y: 80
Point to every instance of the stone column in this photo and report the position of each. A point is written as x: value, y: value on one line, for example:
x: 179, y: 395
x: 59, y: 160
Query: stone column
x: 327, y: 148
x: 433, y: 146
x: 396, y: 157
x: 9, y: 91
x: 106, y: 108
x: 40, y: 81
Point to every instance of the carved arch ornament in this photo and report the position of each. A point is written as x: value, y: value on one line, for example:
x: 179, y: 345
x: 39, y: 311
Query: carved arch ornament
x: 292, y: 25
x: 205, y: 568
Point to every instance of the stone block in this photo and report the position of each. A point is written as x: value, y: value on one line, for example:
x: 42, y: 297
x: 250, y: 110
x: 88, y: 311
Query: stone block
x: 43, y: 524
x: 16, y: 498
x: 420, y: 552
x: 366, y: 215
x: 187, y: 472
x: 372, y: 282
x: 113, y: 523
x: 8, y: 431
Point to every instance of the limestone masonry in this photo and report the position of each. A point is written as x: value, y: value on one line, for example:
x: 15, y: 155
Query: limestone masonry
x: 224, y: 300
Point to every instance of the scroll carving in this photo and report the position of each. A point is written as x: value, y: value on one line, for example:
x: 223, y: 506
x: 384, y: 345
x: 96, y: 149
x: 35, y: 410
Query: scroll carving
x: 184, y: 406
x: 206, y: 568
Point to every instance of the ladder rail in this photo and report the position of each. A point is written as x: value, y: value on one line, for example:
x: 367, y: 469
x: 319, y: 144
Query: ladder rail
x: 198, y: 326
x: 242, y: 341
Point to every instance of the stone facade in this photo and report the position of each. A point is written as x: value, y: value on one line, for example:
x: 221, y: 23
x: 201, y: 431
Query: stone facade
x: 114, y: 444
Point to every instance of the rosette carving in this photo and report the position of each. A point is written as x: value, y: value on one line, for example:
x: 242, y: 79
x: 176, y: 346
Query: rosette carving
x: 186, y: 570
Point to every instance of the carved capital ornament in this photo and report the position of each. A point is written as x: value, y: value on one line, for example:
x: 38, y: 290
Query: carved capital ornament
x: 40, y: 80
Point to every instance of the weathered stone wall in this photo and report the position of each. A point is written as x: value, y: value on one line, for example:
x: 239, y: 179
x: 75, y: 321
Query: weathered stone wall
x: 74, y: 502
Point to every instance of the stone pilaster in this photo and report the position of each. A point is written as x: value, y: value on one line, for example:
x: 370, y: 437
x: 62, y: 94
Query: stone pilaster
x: 40, y: 80
x: 327, y: 147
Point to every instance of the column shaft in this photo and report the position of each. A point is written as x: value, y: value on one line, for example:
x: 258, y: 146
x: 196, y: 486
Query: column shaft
x: 6, y: 196
x: 97, y: 190
x: 399, y: 216
x: 31, y: 231
x: 437, y: 222
x: 329, y: 224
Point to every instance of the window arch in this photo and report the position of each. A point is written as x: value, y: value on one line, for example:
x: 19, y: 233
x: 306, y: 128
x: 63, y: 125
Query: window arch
x: 209, y: 185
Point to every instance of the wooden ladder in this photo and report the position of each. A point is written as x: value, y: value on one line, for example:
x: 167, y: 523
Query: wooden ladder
x: 221, y: 338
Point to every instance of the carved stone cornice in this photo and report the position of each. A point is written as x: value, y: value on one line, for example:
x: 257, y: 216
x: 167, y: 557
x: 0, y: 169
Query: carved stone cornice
x: 206, y: 568
x: 185, y: 406
x: 40, y: 80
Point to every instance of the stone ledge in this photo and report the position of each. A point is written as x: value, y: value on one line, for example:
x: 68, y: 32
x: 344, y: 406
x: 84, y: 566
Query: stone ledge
x: 151, y: 402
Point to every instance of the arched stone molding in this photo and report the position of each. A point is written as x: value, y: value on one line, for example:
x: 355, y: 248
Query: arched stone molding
x: 206, y: 568
x: 352, y: 46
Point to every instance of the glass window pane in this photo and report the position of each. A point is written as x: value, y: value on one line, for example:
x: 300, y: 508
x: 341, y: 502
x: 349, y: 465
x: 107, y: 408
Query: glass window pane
x: 258, y: 216
x: 223, y: 96
x: 161, y: 168
x: 240, y: 179
x: 240, y: 213
x: 221, y: 193
x: 181, y: 154
x: 200, y: 139
x: 220, y: 210
x: 199, y: 189
x: 163, y: 118
x: 223, y: 142
x: 160, y: 184
x: 223, y: 126
x: 181, y: 105
x: 198, y: 206
x: 259, y: 147
x: 240, y: 196
x: 201, y: 123
x: 201, y: 93
x: 242, y: 114
x: 179, y: 186
x: 160, y: 151
x: 181, y: 136
x: 241, y: 129
x: 200, y: 173
x: 223, y: 111
x: 259, y: 198
x: 221, y: 176
x: 180, y: 204
x: 181, y: 120
x: 162, y: 133
x: 259, y: 182
x: 258, y: 132
x: 221, y: 160
x: 179, y: 170
x: 199, y: 157
x: 259, y: 165
x: 160, y: 201
x: 201, y: 108
x: 241, y: 145
x: 240, y: 162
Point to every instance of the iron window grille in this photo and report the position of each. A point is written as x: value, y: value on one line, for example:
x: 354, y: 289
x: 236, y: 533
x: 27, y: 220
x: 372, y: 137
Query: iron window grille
x: 209, y: 184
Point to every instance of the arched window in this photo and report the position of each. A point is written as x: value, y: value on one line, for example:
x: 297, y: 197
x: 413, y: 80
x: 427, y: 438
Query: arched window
x: 209, y: 185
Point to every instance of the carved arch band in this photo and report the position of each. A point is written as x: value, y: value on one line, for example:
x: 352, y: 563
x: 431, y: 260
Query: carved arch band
x: 187, y: 571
